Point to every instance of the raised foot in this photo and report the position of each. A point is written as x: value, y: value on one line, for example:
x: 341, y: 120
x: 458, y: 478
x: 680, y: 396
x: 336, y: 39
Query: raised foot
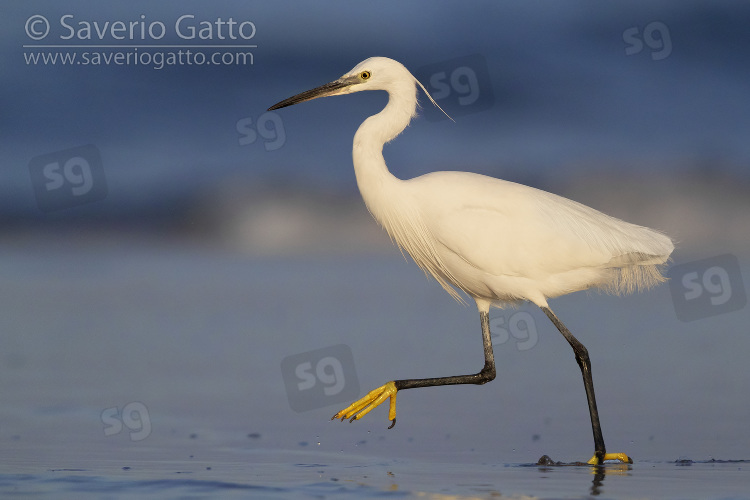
x: 363, y: 406
x: 621, y: 457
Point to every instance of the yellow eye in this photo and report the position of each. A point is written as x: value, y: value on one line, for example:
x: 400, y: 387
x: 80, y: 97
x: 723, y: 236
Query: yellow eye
x: 365, y: 75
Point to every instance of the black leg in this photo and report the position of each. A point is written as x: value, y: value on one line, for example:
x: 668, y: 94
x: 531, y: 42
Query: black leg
x: 582, y: 357
x: 487, y: 374
x: 364, y: 405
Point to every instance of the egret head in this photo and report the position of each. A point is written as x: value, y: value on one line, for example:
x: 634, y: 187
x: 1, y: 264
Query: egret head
x: 375, y: 73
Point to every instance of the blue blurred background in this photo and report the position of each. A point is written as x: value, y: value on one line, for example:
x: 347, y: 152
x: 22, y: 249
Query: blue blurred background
x: 570, y: 110
x: 223, y: 238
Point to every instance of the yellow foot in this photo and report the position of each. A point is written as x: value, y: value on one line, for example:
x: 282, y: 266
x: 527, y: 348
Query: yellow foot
x: 363, y: 406
x: 611, y: 456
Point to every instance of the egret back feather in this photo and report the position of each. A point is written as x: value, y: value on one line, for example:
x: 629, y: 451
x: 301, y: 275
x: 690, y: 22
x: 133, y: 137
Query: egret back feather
x: 497, y: 241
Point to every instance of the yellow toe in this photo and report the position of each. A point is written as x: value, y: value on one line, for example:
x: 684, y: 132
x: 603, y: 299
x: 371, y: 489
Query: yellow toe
x: 621, y: 457
x: 365, y: 405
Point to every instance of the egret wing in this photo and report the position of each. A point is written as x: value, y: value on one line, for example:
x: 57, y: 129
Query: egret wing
x: 504, y: 228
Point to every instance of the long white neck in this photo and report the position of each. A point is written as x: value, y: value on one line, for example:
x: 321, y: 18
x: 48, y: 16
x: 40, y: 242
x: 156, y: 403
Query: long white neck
x: 374, y: 180
x: 385, y: 195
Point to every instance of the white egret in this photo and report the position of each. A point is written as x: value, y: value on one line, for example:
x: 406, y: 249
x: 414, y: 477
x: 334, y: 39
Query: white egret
x: 497, y: 241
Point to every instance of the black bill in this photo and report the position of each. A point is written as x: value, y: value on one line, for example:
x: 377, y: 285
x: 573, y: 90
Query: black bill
x: 332, y: 88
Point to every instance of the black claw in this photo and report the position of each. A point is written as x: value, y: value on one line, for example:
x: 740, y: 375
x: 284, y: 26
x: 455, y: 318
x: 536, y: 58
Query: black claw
x: 351, y: 419
x: 393, y: 422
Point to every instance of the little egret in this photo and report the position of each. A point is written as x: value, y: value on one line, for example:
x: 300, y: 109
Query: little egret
x: 497, y: 241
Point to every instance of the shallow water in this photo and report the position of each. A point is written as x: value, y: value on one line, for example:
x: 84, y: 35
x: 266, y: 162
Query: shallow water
x: 200, y: 472
x: 133, y: 367
x: 155, y: 370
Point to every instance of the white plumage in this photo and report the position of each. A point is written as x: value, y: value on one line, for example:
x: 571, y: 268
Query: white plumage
x: 497, y: 241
